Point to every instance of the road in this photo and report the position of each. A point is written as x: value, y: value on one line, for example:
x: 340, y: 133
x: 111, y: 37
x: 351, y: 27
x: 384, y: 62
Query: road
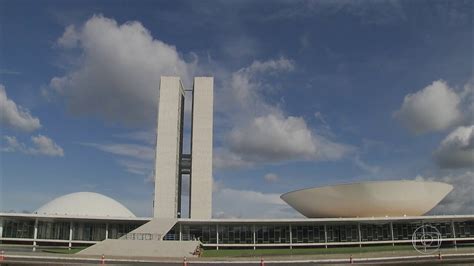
x: 50, y: 260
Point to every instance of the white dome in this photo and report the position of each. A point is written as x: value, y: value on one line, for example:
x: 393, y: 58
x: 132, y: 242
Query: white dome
x: 85, y: 204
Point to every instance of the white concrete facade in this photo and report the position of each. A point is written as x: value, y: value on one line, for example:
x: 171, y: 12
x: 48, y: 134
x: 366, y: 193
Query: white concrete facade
x: 168, y: 148
x: 369, y: 199
x: 200, y: 204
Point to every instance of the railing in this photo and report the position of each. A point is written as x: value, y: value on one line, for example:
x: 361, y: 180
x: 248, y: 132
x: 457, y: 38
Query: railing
x: 141, y: 236
x: 157, y: 237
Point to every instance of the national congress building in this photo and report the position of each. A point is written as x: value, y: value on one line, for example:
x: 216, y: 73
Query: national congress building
x: 359, y: 214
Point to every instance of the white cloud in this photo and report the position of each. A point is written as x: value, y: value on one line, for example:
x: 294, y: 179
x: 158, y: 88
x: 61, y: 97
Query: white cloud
x: 434, y: 108
x: 461, y: 199
x: 366, y: 12
x: 46, y: 146
x: 281, y: 64
x: 457, y: 149
x: 275, y: 138
x: 135, y: 158
x: 242, y: 90
x: 148, y: 136
x: 15, y: 116
x: 70, y: 38
x: 259, y: 131
x: 250, y: 204
x: 117, y: 74
x: 136, y: 151
x: 270, y: 177
x: 467, y: 102
x: 9, y: 72
x: 371, y: 169
x: 320, y: 117
x: 42, y: 145
x: 224, y: 159
x: 12, y: 145
x: 137, y: 167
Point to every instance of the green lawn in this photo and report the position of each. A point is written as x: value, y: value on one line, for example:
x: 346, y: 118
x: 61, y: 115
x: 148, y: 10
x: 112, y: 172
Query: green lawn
x: 300, y: 251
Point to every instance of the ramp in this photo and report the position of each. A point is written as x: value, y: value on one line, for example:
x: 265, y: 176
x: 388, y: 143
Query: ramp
x: 142, y: 248
x: 145, y: 241
x: 157, y: 226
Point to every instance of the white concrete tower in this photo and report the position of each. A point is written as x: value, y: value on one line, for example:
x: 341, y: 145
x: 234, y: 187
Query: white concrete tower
x: 200, y: 204
x: 169, y: 148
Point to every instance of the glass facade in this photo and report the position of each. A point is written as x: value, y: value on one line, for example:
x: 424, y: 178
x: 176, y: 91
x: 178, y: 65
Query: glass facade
x: 89, y: 231
x: 272, y: 234
x: 317, y: 233
x: 117, y: 230
x: 18, y: 228
x: 404, y: 231
x: 235, y: 234
x: 342, y: 233
x: 465, y: 229
x: 243, y: 234
x: 53, y: 230
x: 375, y: 232
x: 308, y: 234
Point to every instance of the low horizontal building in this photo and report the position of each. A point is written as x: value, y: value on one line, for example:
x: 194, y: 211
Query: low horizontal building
x: 71, y: 231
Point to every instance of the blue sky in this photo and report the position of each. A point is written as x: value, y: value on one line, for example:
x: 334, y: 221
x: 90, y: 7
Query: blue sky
x: 308, y: 93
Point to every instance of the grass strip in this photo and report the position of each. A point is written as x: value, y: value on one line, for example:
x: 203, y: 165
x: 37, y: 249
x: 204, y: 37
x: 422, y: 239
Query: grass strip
x: 63, y: 250
x: 300, y: 251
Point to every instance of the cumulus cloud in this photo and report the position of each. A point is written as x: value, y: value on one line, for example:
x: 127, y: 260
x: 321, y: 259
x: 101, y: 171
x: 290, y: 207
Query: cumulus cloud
x: 434, y: 108
x: 461, y: 199
x: 260, y: 132
x: 117, y: 74
x: 41, y: 145
x: 251, y: 204
x: 15, y: 116
x: 457, y: 149
x: 243, y: 92
x: 275, y: 138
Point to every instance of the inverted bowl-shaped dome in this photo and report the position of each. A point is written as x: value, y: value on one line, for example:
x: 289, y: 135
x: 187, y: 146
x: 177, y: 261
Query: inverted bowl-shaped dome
x: 368, y: 199
x: 85, y: 204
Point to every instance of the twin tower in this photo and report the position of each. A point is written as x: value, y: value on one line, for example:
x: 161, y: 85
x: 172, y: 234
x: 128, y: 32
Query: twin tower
x: 171, y: 163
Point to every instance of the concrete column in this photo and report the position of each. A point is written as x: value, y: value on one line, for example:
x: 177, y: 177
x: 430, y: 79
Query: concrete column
x: 291, y: 237
x: 201, y: 149
x: 360, y: 235
x: 1, y: 228
x: 70, y: 234
x: 254, y: 238
x: 107, y: 231
x: 35, y: 234
x: 454, y: 234
x: 391, y: 233
x: 325, y: 236
x: 217, y: 236
x: 180, y: 233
